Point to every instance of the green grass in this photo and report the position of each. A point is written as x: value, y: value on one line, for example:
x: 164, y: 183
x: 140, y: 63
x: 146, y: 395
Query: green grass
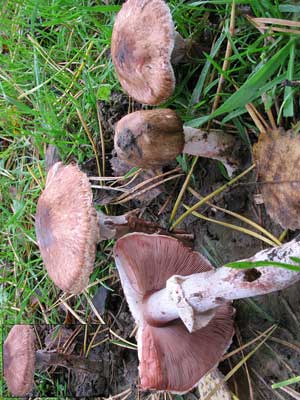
x: 54, y: 63
x: 47, y: 42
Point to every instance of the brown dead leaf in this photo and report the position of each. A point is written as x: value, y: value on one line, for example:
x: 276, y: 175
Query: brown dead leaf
x: 277, y: 157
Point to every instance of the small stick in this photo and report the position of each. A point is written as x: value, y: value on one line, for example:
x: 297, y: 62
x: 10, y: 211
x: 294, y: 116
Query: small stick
x: 48, y: 358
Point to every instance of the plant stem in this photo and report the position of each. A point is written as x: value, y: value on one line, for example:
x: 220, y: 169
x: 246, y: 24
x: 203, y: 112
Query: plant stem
x: 47, y: 358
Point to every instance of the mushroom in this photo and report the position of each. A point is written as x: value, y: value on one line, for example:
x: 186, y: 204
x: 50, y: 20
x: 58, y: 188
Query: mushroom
x: 153, y: 138
x: 68, y: 227
x: 144, y: 43
x: 277, y: 157
x: 21, y: 359
x: 190, y: 297
x: 145, y: 263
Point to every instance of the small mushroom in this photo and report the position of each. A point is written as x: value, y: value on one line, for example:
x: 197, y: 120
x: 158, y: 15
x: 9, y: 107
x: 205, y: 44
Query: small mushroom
x: 145, y: 263
x: 153, y: 138
x: 21, y: 359
x: 144, y: 43
x: 189, y: 296
x: 68, y: 227
x: 277, y: 157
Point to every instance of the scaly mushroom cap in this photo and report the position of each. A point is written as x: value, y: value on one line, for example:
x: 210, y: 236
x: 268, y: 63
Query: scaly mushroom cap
x: 149, y: 138
x: 277, y: 157
x: 19, y: 359
x: 66, y: 227
x: 170, y: 357
x: 142, y: 44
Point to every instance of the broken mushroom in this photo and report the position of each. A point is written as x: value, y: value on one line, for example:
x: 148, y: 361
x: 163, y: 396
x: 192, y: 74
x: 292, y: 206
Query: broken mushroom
x: 145, y: 263
x: 186, y: 297
x: 277, y: 158
x: 153, y: 138
x: 176, y: 297
x: 144, y: 43
x: 21, y: 359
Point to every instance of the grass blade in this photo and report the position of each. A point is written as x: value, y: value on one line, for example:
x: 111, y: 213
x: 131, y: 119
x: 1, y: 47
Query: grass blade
x: 290, y: 381
x: 257, y: 264
x: 251, y: 89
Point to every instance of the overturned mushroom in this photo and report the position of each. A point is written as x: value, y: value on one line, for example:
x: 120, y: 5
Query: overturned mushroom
x: 21, y: 359
x: 152, y: 138
x: 277, y: 157
x: 187, y: 297
x: 145, y: 263
x: 144, y: 43
x: 68, y: 227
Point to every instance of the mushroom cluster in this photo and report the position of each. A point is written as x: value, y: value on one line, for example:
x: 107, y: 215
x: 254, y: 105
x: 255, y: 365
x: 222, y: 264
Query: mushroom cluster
x: 144, y: 44
x: 181, y: 304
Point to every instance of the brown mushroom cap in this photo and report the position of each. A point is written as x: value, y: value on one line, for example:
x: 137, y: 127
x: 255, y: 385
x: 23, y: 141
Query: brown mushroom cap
x: 19, y: 359
x: 142, y: 44
x: 277, y: 157
x: 149, y: 138
x: 66, y: 227
x: 170, y: 357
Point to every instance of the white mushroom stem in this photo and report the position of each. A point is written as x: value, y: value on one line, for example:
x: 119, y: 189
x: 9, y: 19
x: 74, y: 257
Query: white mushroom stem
x: 188, y: 297
x: 114, y: 226
x: 214, y: 144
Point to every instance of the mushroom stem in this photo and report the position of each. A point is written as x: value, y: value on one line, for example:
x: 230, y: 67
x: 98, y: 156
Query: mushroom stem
x: 114, y: 227
x: 190, y: 296
x: 48, y: 359
x: 214, y: 144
